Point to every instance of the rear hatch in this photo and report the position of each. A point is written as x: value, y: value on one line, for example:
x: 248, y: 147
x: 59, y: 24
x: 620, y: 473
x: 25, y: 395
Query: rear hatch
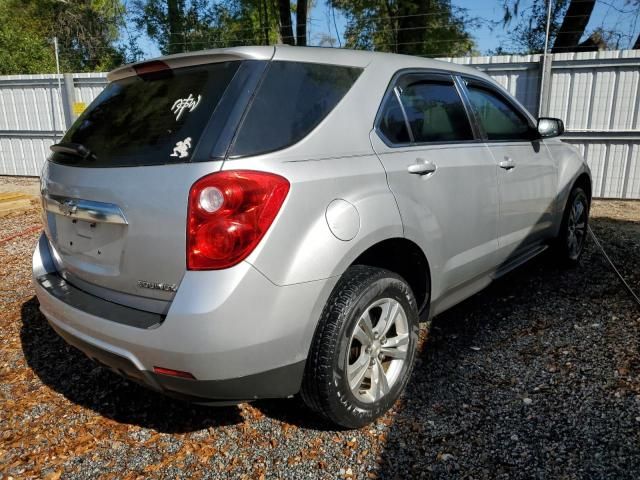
x: 116, y: 187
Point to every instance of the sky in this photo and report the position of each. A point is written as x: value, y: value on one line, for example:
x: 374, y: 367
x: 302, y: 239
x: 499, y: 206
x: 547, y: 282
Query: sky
x: 491, y: 33
x: 606, y: 14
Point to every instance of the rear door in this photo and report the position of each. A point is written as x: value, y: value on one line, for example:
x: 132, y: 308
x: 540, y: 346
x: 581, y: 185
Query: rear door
x: 442, y: 174
x: 527, y: 174
x: 116, y: 188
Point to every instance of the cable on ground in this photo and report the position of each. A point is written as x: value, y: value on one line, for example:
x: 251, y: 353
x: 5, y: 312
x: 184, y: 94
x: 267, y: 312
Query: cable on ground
x: 613, y: 267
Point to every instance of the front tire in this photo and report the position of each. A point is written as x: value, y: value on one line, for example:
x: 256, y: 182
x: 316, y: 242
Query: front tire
x: 573, y: 230
x: 363, y: 349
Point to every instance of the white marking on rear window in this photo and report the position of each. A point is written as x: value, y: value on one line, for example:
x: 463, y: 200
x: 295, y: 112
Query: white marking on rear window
x: 182, y: 148
x: 182, y: 104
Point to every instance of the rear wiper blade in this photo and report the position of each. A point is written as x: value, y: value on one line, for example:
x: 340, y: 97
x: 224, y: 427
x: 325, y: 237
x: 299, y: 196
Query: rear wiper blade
x: 76, y: 149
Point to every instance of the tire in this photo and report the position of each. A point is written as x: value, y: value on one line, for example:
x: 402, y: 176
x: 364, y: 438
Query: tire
x: 339, y: 349
x: 572, y: 237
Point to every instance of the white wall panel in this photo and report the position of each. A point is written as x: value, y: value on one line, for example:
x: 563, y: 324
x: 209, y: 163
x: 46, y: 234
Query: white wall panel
x: 626, y: 103
x: 632, y: 188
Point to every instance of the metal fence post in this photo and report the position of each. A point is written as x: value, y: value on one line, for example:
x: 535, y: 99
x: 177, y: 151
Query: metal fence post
x: 546, y: 62
x: 543, y: 101
x: 68, y: 99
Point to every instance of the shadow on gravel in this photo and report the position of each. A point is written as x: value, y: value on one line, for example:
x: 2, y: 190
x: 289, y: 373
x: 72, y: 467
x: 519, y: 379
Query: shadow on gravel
x: 69, y: 372
x: 520, y: 380
x: 294, y: 412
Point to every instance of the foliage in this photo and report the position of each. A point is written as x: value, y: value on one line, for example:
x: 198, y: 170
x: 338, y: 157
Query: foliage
x: 22, y: 48
x: 199, y: 24
x: 568, y: 16
x: 528, y: 33
x: 423, y: 27
x: 87, y: 31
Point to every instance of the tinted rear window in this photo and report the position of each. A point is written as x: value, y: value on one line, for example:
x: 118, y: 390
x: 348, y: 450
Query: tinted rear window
x: 150, y: 120
x: 292, y: 99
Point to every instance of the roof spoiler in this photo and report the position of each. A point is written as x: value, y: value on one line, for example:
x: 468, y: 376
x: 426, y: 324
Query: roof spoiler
x: 193, y: 58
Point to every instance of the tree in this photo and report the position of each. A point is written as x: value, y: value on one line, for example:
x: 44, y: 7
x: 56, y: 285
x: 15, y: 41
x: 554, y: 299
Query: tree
x: 423, y: 27
x: 301, y: 22
x: 87, y: 33
x: 286, y: 25
x: 569, y: 19
x: 22, y: 48
x: 286, y: 22
x: 573, y: 26
x: 185, y: 25
x: 636, y: 3
x: 528, y: 35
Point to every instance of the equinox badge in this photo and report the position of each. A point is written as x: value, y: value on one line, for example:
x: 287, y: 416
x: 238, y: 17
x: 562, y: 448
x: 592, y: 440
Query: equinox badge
x: 166, y: 287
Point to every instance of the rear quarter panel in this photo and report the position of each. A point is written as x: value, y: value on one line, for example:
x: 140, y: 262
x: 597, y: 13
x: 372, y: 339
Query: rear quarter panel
x: 335, y: 161
x: 300, y: 246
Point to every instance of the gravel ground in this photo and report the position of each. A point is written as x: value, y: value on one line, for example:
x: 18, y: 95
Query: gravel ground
x: 28, y: 185
x: 537, y: 376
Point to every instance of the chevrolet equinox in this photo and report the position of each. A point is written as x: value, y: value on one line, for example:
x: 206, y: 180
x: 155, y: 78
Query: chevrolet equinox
x: 254, y: 222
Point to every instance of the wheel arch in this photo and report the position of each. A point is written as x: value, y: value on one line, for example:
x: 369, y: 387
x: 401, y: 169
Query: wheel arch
x: 404, y: 257
x: 584, y: 181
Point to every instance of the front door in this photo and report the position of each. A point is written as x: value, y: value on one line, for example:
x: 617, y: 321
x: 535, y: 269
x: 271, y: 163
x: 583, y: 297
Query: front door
x: 527, y: 174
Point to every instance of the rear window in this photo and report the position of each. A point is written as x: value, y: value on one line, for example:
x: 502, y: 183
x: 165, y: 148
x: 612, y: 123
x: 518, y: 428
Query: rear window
x: 151, y: 119
x: 291, y: 101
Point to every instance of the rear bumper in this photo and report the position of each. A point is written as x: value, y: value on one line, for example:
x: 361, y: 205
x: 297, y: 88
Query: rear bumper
x: 280, y: 382
x: 241, y: 336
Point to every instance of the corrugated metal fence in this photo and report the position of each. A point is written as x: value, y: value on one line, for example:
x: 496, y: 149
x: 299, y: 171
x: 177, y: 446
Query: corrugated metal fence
x: 597, y: 94
x: 35, y: 111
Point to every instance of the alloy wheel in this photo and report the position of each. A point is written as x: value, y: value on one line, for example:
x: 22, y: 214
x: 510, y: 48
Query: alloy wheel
x: 576, y: 227
x: 377, y: 350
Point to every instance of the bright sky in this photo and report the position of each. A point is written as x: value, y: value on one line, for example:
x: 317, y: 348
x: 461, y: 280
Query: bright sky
x: 608, y: 14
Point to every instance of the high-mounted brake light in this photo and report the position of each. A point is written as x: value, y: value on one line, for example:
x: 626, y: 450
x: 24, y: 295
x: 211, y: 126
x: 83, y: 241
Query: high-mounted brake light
x: 154, y: 66
x: 229, y: 213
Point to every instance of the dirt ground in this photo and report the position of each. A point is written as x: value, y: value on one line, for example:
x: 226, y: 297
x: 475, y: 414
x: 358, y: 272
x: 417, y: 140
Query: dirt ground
x: 536, y: 376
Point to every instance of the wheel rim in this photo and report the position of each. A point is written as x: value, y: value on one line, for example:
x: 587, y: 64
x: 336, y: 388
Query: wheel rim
x: 378, y: 349
x: 576, y: 227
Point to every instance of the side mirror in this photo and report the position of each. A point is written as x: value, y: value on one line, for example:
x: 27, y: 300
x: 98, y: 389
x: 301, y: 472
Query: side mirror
x: 550, y: 127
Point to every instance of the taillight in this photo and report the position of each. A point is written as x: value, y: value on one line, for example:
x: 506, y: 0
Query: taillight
x: 229, y: 213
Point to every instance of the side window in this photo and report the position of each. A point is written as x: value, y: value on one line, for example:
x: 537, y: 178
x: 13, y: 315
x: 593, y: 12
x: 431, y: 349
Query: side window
x: 500, y: 120
x: 435, y: 112
x: 392, y: 124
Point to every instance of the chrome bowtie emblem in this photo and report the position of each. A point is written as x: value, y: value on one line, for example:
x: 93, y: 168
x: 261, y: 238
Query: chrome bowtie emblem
x: 68, y: 207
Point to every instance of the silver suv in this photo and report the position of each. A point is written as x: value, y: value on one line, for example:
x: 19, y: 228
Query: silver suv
x: 248, y: 223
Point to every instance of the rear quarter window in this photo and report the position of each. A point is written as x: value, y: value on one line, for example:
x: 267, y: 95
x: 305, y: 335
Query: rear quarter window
x: 291, y: 101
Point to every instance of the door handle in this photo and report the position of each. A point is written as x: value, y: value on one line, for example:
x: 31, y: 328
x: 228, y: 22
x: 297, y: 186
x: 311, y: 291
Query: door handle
x: 507, y: 163
x: 421, y: 167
